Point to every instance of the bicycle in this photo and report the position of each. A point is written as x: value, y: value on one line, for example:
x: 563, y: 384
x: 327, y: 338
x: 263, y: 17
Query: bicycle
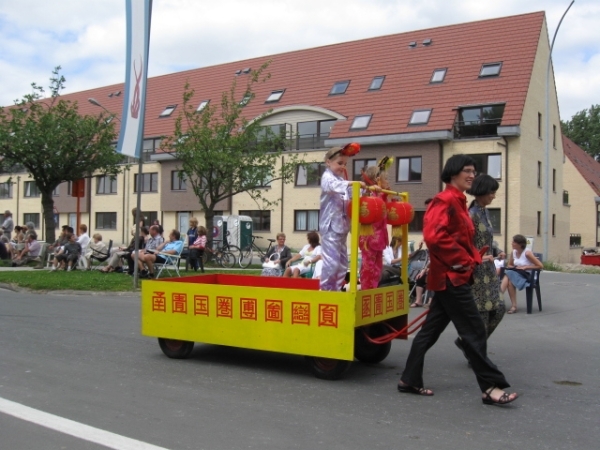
x: 247, y: 254
x: 225, y: 255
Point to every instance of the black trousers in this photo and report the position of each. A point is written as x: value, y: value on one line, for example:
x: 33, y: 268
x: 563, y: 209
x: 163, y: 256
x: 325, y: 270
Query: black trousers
x: 456, y: 305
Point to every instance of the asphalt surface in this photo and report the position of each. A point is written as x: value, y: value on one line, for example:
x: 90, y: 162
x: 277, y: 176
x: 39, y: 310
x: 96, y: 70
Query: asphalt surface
x: 82, y: 357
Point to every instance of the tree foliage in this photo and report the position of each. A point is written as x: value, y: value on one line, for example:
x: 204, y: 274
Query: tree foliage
x: 54, y: 143
x: 584, y: 130
x: 221, y: 153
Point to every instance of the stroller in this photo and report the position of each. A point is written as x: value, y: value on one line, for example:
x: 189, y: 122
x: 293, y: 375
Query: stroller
x: 418, y: 262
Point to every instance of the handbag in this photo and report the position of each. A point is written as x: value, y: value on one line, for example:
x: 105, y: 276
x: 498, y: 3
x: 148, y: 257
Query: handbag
x: 272, y: 263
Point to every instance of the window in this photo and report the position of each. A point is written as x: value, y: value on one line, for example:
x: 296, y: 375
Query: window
x: 306, y: 220
x: 203, y: 104
x: 553, y: 180
x: 490, y: 164
x: 490, y: 70
x: 358, y: 165
x: 275, y: 134
x: 539, y: 223
x: 554, y: 136
x: 150, y: 217
x: 247, y: 97
x: 480, y: 121
x: 149, y: 146
x: 32, y: 217
x: 376, y: 83
x: 566, y: 200
x: 275, y: 96
x: 574, y: 240
x: 178, y: 181
x: 6, y: 190
x: 56, y: 191
x: 495, y: 219
x: 540, y: 125
x: 69, y: 188
x: 539, y: 174
x: 167, y: 111
x: 106, y: 221
x: 106, y: 185
x: 361, y: 122
x: 309, y: 174
x: 409, y: 169
x: 553, y: 224
x: 339, y: 87
x: 261, y: 220
x: 438, y: 75
x: 420, y: 117
x: 149, y: 182
x: 417, y: 223
x: 31, y: 189
x: 313, y: 134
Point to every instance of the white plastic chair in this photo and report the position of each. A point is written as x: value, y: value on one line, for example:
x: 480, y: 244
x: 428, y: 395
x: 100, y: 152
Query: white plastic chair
x: 171, y: 263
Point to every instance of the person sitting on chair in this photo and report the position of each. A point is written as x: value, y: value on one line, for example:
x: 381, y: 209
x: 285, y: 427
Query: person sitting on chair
x: 30, y: 252
x: 96, y: 248
x: 172, y: 247
x: 69, y: 254
x: 310, y: 253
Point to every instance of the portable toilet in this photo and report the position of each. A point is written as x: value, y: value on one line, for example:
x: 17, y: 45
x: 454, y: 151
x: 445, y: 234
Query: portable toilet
x: 220, y: 229
x: 240, y: 230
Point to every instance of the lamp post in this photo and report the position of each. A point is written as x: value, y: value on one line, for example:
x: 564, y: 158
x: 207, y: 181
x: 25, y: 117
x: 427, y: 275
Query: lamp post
x: 95, y: 102
x: 547, y: 141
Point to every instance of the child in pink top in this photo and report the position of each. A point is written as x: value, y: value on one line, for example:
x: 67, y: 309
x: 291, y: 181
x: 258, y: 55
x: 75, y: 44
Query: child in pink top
x: 197, y: 250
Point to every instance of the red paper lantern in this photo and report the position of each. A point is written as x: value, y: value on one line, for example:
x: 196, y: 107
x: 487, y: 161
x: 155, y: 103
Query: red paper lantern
x: 398, y: 214
x: 371, y: 210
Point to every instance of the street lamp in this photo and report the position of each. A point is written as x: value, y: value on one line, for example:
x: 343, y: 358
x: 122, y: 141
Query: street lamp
x: 547, y: 142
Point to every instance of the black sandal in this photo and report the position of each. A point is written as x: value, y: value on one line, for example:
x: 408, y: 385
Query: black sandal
x: 406, y: 389
x: 503, y: 400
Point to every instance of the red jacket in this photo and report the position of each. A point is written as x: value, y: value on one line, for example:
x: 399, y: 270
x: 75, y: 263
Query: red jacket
x: 448, y: 231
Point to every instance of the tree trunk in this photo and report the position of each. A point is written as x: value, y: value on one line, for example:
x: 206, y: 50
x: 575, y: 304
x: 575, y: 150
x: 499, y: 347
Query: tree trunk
x: 209, y: 216
x: 48, y: 205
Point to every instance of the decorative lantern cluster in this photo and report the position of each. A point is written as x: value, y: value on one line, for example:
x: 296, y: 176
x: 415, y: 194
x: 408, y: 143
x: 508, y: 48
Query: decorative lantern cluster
x: 398, y: 214
x: 371, y: 210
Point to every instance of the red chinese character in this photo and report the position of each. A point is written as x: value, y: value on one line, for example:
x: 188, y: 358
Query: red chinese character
x: 301, y: 313
x: 273, y: 311
x: 179, y: 303
x: 201, y: 305
x: 366, y: 306
x: 328, y: 315
x: 225, y: 307
x: 378, y: 304
x: 399, y: 300
x: 389, y: 302
x: 248, y: 308
x: 159, y: 302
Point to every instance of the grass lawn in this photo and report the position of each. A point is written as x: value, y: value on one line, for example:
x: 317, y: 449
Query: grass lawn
x: 79, y: 280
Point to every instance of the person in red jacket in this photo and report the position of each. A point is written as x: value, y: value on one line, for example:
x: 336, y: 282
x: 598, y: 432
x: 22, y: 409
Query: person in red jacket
x: 448, y: 232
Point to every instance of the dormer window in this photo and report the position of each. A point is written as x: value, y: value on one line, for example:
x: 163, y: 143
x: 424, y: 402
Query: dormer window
x: 490, y: 70
x: 438, y: 75
x: 168, y: 111
x: 376, y: 83
x: 203, y: 104
x: 275, y: 96
x: 361, y: 122
x: 339, y: 87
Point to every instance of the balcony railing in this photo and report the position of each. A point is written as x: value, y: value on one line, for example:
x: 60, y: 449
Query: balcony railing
x: 476, y: 129
x: 310, y: 141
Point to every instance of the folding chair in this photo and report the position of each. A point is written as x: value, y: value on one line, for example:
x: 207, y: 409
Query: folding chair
x: 101, y: 257
x: 171, y: 263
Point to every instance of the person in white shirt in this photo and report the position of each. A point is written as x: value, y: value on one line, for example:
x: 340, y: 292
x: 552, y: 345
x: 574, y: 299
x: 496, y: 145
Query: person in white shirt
x: 83, y: 238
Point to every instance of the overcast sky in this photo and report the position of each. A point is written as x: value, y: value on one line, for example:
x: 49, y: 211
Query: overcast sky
x: 87, y: 37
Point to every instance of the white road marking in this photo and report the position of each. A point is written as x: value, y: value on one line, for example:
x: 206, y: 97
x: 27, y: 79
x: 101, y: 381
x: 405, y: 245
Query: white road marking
x: 72, y: 428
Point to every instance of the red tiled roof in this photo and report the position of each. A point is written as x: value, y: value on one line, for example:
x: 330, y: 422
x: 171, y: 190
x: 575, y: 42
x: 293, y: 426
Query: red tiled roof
x: 587, y: 166
x: 308, y: 75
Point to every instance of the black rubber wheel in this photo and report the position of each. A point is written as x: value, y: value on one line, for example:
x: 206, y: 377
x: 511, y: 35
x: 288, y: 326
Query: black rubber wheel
x: 246, y: 258
x: 176, y: 349
x: 328, y: 369
x: 368, y: 352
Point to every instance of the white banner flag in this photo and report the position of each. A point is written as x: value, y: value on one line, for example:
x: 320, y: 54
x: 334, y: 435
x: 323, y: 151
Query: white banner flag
x: 136, y: 76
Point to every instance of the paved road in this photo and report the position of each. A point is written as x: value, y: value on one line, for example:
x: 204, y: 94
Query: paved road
x: 82, y: 358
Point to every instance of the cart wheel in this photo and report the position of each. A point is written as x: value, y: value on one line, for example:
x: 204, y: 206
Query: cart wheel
x: 176, y: 349
x: 368, y: 352
x: 328, y: 369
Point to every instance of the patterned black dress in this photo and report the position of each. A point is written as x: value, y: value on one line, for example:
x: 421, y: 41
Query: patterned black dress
x: 486, y: 285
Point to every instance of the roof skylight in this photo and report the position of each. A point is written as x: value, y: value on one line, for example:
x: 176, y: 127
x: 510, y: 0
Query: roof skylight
x: 438, y: 75
x: 202, y: 105
x: 490, y: 70
x: 420, y: 117
x: 246, y: 99
x: 376, y: 83
x: 361, y: 122
x: 275, y: 96
x: 168, y: 111
x: 339, y: 87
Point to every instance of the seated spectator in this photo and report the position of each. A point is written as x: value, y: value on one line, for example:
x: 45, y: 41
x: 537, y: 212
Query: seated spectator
x: 392, y: 255
x: 115, y: 263
x: 3, y: 237
x: 196, y: 248
x: 19, y: 237
x: 421, y: 283
x: 30, y: 252
x: 4, y: 253
x: 83, y: 238
x: 310, y: 254
x: 68, y: 255
x: 499, y: 263
x: 29, y: 229
x: 172, y: 247
x: 282, y: 255
x: 516, y: 275
x: 96, y: 248
x: 152, y: 242
x: 60, y: 240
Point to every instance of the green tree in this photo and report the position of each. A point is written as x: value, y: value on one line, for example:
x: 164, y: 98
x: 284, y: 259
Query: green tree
x: 584, y: 130
x: 54, y: 143
x: 222, y: 154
